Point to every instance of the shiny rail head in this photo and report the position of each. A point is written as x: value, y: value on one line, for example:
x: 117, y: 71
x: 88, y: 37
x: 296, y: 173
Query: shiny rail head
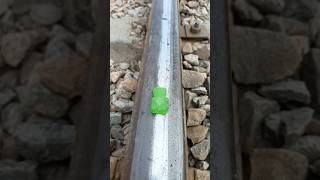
x: 158, y: 143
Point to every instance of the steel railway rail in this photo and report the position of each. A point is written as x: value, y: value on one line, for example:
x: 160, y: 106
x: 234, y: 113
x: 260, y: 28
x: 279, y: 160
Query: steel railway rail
x: 157, y: 146
x: 157, y: 149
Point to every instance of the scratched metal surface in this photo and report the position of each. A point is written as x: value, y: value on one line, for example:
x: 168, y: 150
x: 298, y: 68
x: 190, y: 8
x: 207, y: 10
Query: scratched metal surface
x: 157, y: 150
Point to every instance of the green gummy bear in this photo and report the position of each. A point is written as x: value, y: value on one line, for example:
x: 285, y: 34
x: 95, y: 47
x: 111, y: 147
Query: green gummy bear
x: 159, y: 101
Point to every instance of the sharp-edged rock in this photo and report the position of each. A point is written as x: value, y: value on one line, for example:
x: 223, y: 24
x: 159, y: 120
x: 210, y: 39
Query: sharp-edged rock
x: 253, y: 109
x: 287, y: 91
x: 278, y: 164
x: 285, y: 126
x: 278, y: 52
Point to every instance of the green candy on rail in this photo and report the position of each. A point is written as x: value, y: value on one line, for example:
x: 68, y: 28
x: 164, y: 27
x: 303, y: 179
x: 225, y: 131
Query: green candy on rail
x: 159, y: 101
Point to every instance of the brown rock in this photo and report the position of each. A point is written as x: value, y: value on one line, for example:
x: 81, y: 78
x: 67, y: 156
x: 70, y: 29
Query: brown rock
x: 186, y: 65
x: 278, y: 164
x: 192, y: 79
x: 113, y: 165
x: 117, y: 174
x: 188, y: 98
x: 114, y: 76
x: 129, y: 85
x: 195, y: 116
x: 193, y: 4
x: 197, y: 133
x: 201, y: 174
x: 187, y: 48
x: 64, y: 75
x: 203, y: 53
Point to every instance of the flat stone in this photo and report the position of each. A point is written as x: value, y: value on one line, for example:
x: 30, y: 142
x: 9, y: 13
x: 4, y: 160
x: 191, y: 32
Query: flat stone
x: 269, y: 6
x: 285, y: 126
x: 123, y: 105
x: 193, y: 4
x: 14, y: 170
x: 201, y: 151
x: 200, y: 90
x: 308, y: 146
x: 201, y: 174
x: 287, y: 91
x: 192, y: 79
x: 187, y: 48
x: 199, y: 69
x: 203, y: 53
x: 197, y: 133
x: 253, y: 109
x: 45, y: 141
x: 278, y: 164
x: 124, y: 66
x: 129, y: 85
x: 192, y: 59
x: 278, y: 52
x: 36, y: 98
x: 247, y: 14
x: 45, y: 14
x: 195, y: 116
x: 119, y: 153
x: 286, y: 25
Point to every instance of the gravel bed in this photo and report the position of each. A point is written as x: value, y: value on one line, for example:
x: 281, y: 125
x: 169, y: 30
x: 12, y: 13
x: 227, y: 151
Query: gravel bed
x: 195, y: 81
